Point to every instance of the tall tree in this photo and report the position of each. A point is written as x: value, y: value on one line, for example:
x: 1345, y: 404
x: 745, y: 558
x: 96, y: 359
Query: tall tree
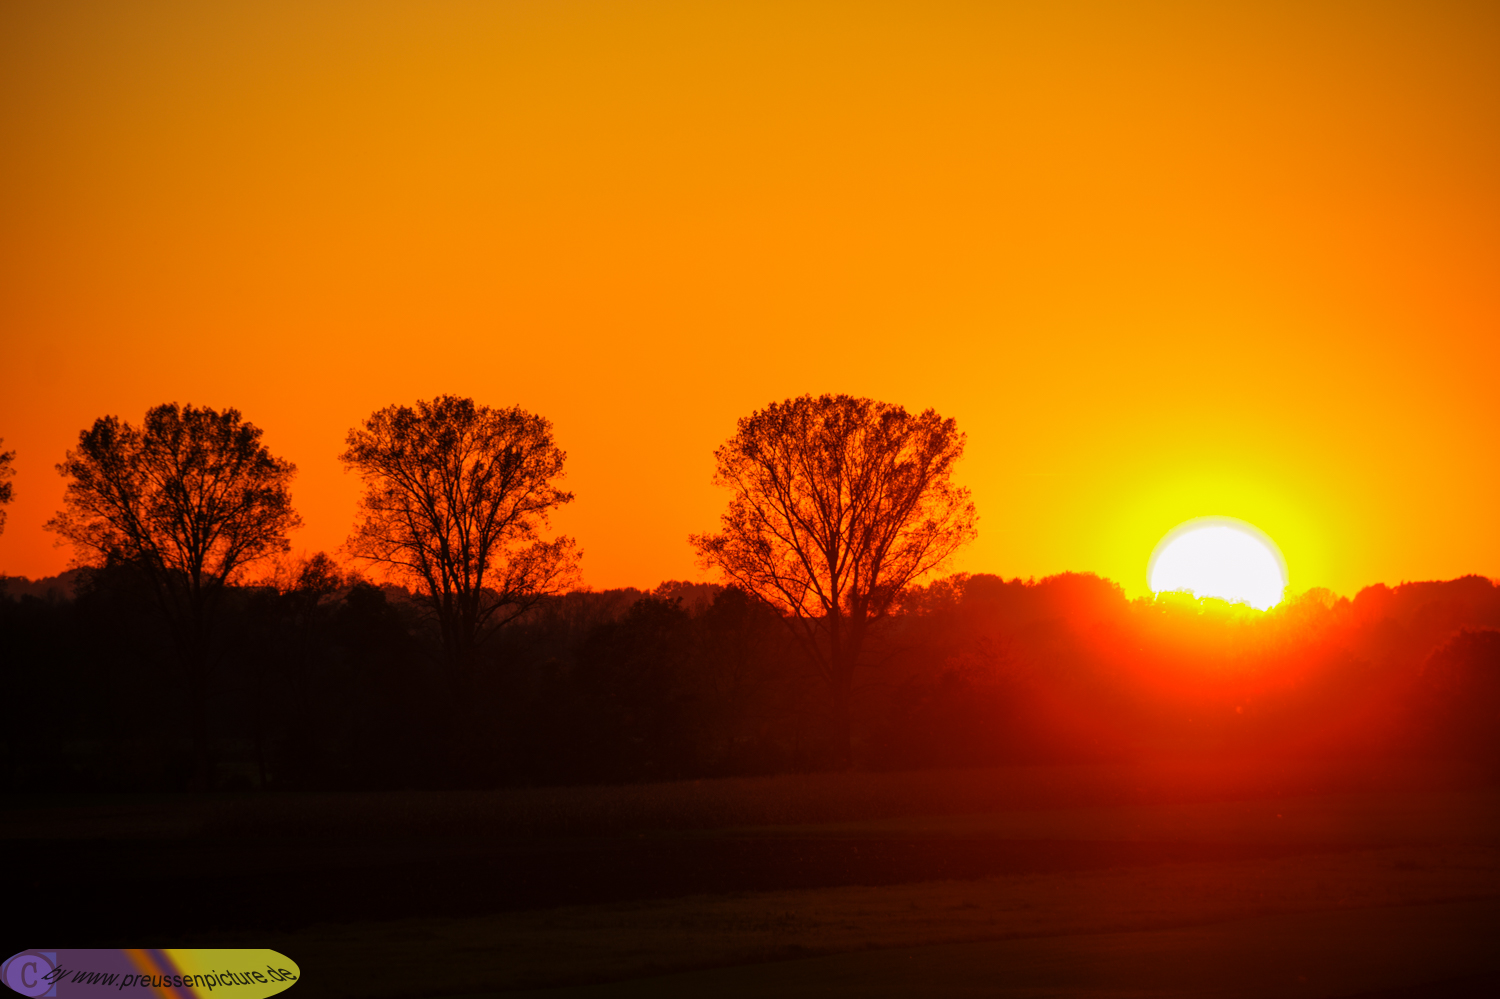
x: 839, y: 503
x: 6, y: 489
x: 457, y: 497
x: 188, y: 499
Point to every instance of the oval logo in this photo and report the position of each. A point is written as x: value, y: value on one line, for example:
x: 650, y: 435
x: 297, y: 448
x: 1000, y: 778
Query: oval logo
x: 173, y: 973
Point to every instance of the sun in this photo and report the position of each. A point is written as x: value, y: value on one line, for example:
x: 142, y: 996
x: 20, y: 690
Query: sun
x: 1219, y: 557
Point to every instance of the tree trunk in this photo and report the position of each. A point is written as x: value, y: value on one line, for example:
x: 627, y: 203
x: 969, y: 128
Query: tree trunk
x: 196, y: 660
x: 839, y: 727
x: 202, y: 776
x: 462, y: 718
x: 847, y: 633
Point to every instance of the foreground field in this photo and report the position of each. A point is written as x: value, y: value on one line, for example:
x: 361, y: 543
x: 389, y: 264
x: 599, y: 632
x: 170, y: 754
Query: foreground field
x: 810, y: 884
x: 628, y: 941
x: 1440, y: 951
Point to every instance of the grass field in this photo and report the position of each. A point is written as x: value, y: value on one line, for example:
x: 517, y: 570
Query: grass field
x: 1371, y: 953
x: 970, y: 882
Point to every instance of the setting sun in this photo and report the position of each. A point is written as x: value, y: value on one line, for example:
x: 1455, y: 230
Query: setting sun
x: 1220, y: 557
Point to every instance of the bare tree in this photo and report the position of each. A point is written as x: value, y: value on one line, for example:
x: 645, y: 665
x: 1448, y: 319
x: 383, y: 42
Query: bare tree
x: 188, y: 500
x: 839, y: 504
x: 457, y: 496
x: 7, y: 490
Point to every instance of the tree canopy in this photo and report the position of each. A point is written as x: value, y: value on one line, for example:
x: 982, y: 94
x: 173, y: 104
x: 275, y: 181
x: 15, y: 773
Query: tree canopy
x: 188, y: 500
x: 457, y: 497
x: 191, y: 496
x: 6, y: 489
x: 839, y: 503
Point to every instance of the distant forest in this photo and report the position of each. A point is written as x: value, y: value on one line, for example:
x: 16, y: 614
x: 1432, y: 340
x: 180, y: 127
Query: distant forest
x: 325, y: 681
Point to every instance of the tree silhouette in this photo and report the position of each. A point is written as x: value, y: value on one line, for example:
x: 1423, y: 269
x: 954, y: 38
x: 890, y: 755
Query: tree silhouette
x: 287, y: 646
x: 1458, y: 699
x: 187, y: 500
x: 839, y: 503
x: 6, y: 489
x: 456, y: 498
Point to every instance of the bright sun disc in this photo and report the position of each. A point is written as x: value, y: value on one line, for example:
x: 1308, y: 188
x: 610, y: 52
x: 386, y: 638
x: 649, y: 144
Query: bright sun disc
x: 1220, y: 557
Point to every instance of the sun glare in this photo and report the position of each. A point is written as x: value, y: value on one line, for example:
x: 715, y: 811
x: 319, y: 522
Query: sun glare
x: 1220, y: 557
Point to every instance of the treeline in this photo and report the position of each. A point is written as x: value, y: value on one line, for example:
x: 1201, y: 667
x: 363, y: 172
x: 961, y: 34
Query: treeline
x: 180, y: 661
x: 838, y: 505
x: 320, y: 680
x: 1068, y: 669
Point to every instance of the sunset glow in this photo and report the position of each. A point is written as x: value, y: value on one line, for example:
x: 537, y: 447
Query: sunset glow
x: 644, y: 220
x: 802, y: 497
x: 1220, y: 557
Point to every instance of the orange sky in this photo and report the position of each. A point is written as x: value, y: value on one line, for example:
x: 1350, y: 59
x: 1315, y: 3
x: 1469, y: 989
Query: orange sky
x: 1159, y: 260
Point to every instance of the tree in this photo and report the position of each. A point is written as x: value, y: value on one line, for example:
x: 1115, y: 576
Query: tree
x: 839, y: 504
x: 287, y: 648
x: 6, y: 489
x: 1458, y: 696
x: 187, y: 500
x: 457, y: 496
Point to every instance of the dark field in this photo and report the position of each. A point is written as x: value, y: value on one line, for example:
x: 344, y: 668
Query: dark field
x: 1025, y: 881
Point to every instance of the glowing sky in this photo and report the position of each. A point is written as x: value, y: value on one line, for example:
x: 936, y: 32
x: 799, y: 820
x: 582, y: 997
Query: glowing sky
x: 1159, y: 261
